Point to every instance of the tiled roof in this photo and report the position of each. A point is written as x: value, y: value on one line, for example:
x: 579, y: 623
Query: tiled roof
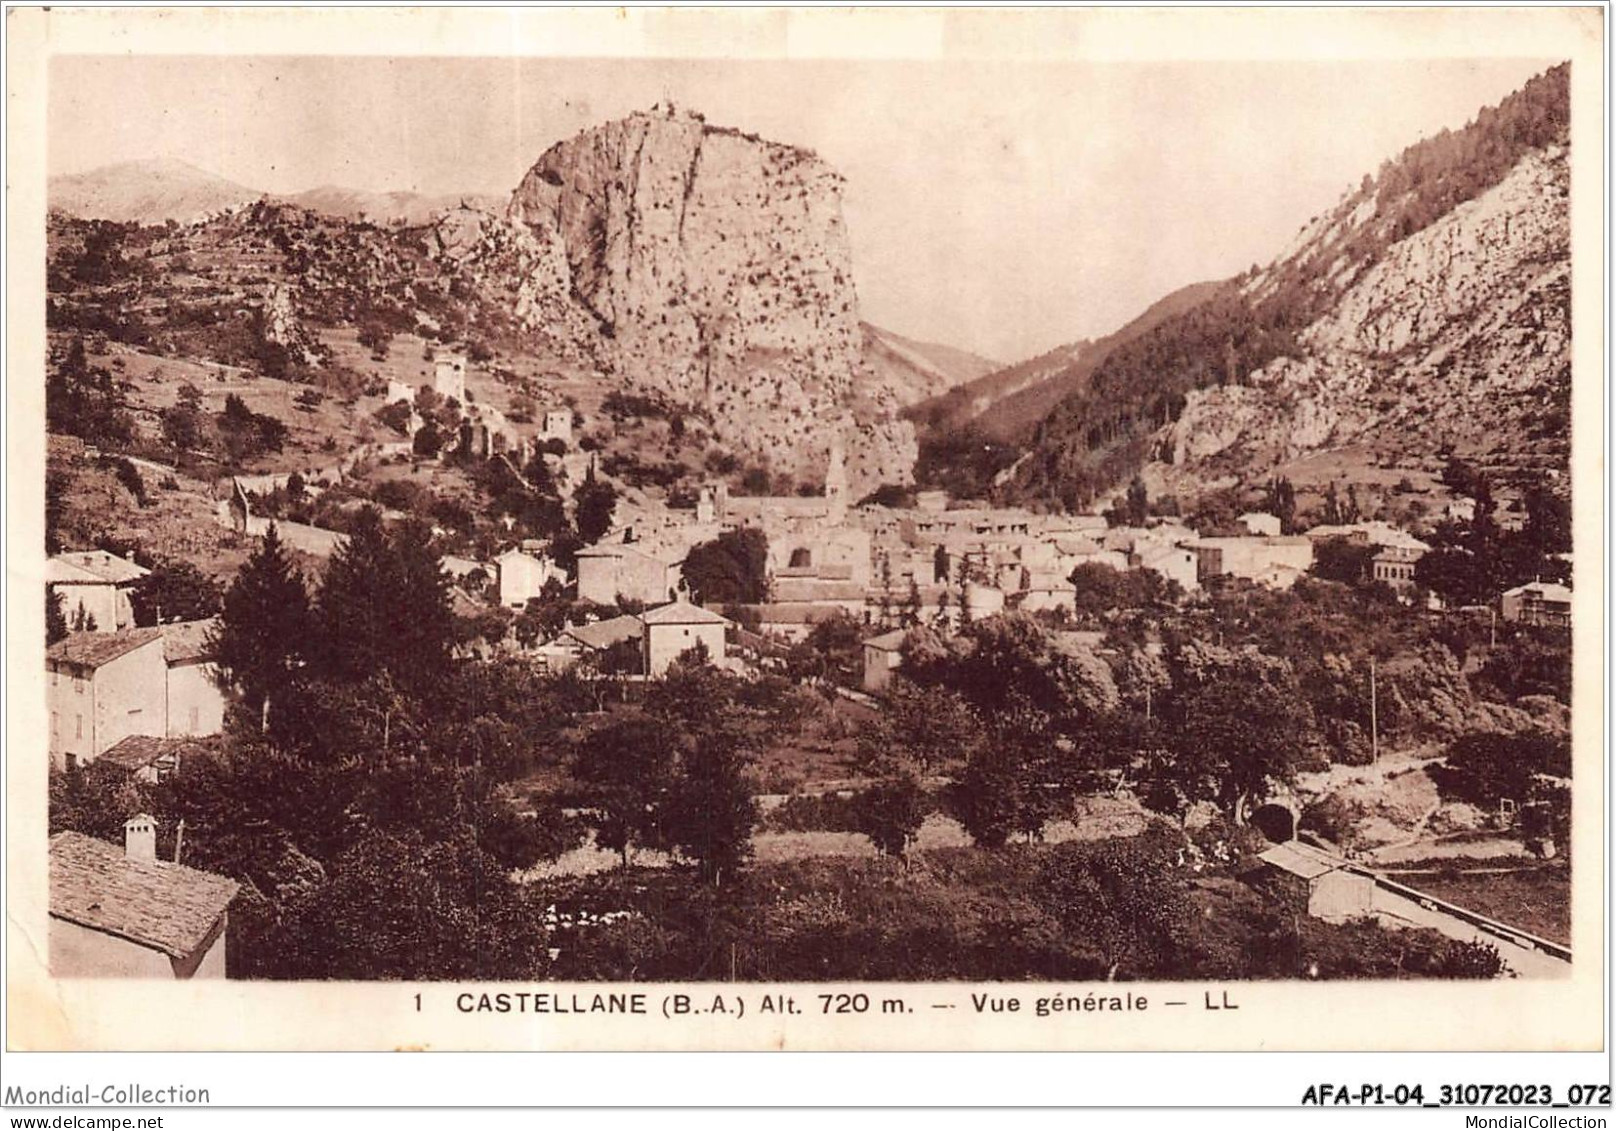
x: 1300, y: 859
x: 104, y: 565
x: 887, y: 641
x: 186, y: 641
x: 141, y: 750
x: 605, y: 633
x: 827, y: 572
x: 788, y: 589
x: 1543, y: 591
x: 168, y: 907
x: 681, y: 612
x: 93, y: 649
x: 59, y: 571
x: 796, y: 612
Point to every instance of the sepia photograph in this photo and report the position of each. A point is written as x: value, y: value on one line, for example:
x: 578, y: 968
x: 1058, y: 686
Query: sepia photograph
x: 532, y: 521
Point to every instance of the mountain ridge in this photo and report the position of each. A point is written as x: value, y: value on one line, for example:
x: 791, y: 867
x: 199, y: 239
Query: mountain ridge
x: 1248, y: 331
x: 155, y: 190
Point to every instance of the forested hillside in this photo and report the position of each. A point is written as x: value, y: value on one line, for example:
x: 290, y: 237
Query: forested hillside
x: 1101, y: 433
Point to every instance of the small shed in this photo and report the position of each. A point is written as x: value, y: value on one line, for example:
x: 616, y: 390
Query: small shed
x: 1314, y: 881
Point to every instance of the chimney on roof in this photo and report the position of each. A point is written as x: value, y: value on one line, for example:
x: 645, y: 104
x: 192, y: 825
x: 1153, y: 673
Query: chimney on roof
x: 140, y: 837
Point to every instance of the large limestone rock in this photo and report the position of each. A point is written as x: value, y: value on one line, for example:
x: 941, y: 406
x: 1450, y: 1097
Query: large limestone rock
x: 1458, y: 335
x: 717, y: 266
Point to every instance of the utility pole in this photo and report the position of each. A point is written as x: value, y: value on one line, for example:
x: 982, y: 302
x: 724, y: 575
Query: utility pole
x: 1374, y: 714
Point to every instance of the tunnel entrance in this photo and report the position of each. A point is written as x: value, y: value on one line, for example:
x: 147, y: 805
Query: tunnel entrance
x: 1275, y: 821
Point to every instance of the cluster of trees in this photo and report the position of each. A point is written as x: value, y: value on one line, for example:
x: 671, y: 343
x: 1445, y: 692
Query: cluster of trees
x: 1218, y: 704
x: 671, y: 773
x: 962, y: 462
x: 174, y: 590
x: 99, y: 261
x: 1142, y: 385
x: 1485, y: 768
x: 236, y: 432
x: 529, y: 496
x: 1101, y: 590
x: 1133, y: 508
x: 363, y: 794
x: 1117, y: 910
x: 1530, y: 769
x: 594, y: 505
x: 1472, y: 562
x: 381, y: 612
x: 1014, y: 723
x: 84, y: 400
x: 1432, y: 177
x: 732, y: 568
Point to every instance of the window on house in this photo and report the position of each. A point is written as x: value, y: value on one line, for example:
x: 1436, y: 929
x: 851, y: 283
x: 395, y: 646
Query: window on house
x: 78, y: 685
x: 78, y: 726
x: 56, y: 723
x: 193, y: 720
x: 71, y: 761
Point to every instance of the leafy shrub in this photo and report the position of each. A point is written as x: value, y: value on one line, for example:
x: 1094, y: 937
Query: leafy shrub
x: 813, y: 813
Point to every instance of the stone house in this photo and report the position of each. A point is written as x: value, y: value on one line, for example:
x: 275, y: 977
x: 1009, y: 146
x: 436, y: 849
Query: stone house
x: 123, y: 913
x: 675, y: 628
x: 522, y: 577
x: 449, y: 377
x: 791, y: 621
x: 597, y: 636
x: 1175, y: 563
x: 147, y: 758
x: 1044, y: 590
x: 557, y: 425
x: 1394, y: 566
x: 1261, y: 524
x: 883, y: 656
x: 461, y: 569
x: 819, y: 587
x: 1541, y: 603
x: 102, y: 688
x: 634, y: 571
x: 1267, y: 560
x: 194, y: 702
x: 95, y: 583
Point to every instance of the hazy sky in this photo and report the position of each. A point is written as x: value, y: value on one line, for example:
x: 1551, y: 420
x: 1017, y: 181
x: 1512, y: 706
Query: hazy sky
x: 1001, y: 207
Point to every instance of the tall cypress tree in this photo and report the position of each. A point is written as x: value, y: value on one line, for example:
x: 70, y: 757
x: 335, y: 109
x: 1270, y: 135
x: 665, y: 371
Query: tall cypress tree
x: 262, y: 637
x: 55, y: 618
x: 596, y: 501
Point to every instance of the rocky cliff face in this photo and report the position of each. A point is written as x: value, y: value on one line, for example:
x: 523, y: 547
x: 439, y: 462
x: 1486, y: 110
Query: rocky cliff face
x: 1458, y: 335
x: 717, y: 267
x: 521, y: 269
x: 1426, y: 311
